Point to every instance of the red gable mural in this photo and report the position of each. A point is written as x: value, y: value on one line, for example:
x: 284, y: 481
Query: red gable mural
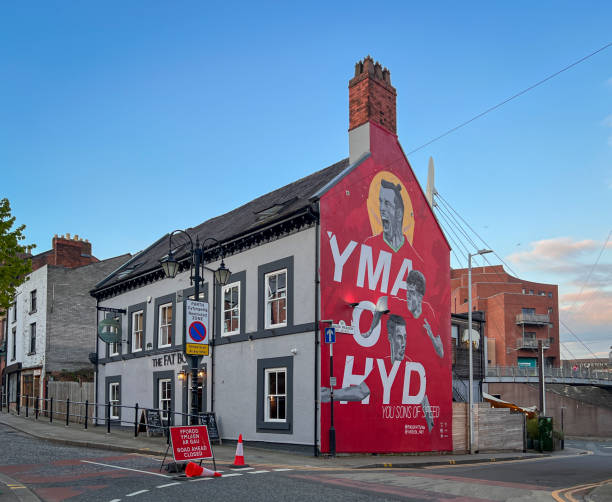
x: 385, y: 273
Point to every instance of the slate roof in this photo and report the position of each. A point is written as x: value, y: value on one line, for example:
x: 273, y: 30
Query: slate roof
x: 265, y: 211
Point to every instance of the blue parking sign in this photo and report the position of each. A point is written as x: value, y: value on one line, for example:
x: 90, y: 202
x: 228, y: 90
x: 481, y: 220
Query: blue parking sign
x: 330, y: 335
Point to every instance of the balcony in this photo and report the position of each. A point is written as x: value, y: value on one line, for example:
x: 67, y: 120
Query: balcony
x: 532, y: 343
x: 537, y: 319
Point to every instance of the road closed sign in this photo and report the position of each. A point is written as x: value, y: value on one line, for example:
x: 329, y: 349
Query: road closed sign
x: 190, y: 443
x: 196, y: 328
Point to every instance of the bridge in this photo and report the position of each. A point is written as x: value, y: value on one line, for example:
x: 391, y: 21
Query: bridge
x: 518, y: 374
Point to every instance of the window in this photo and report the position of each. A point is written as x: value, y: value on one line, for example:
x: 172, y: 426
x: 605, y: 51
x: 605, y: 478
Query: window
x: 32, y: 338
x: 137, y: 330
x: 276, y: 299
x: 531, y: 291
x: 165, y: 325
x: 33, y: 301
x: 113, y: 348
x: 14, y: 345
x: 113, y: 399
x: 549, y: 294
x: 165, y: 397
x: 528, y: 311
x: 231, y: 309
x: 14, y: 318
x: 523, y: 290
x: 276, y: 395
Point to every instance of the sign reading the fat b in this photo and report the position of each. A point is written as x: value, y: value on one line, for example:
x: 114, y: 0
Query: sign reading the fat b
x: 190, y: 443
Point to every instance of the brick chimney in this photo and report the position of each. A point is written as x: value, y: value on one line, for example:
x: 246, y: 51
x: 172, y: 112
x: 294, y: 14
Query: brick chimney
x: 69, y: 252
x: 371, y: 99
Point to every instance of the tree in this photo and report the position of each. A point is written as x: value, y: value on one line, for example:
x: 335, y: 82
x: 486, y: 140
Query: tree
x: 14, y: 266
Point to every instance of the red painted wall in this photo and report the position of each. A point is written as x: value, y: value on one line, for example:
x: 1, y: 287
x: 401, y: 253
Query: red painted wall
x: 397, y: 388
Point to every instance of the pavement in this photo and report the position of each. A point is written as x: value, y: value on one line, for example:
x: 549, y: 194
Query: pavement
x: 123, y: 440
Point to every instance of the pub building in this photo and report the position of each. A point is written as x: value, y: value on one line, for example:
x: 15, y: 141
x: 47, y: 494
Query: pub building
x: 355, y: 247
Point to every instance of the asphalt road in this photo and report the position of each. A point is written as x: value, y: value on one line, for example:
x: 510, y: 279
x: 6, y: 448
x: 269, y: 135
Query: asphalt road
x: 57, y: 473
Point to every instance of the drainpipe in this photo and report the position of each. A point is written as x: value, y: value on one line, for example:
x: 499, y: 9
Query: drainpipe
x: 96, y: 365
x: 316, y: 334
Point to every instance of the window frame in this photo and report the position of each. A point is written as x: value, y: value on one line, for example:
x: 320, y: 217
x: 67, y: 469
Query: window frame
x: 169, y: 325
x: 224, y: 289
x: 268, y: 301
x: 14, y: 344
x: 109, y: 381
x: 133, y: 331
x: 114, y: 400
x: 32, y: 346
x: 33, y: 301
x: 262, y: 271
x: 268, y: 395
x: 161, y: 399
x: 263, y: 422
x: 159, y: 302
x: 14, y: 317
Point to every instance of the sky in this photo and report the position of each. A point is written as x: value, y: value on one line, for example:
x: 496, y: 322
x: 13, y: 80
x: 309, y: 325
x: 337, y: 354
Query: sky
x: 122, y: 121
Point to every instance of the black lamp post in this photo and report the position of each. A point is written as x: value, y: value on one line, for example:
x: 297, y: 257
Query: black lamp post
x: 170, y: 266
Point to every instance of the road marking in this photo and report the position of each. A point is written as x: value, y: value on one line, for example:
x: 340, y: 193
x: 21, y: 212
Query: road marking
x: 243, y: 469
x: 169, y: 484
x: 133, y: 494
x: 232, y: 474
x: 126, y: 468
x: 281, y: 470
x: 116, y: 500
x: 559, y: 495
x: 257, y: 472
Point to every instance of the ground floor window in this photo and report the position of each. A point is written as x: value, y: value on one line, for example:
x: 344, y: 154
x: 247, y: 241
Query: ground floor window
x: 165, y: 397
x: 275, y: 395
x: 113, y: 399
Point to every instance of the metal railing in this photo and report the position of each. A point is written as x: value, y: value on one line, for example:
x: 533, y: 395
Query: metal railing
x: 580, y: 373
x: 528, y: 318
x: 532, y: 343
x: 87, y: 413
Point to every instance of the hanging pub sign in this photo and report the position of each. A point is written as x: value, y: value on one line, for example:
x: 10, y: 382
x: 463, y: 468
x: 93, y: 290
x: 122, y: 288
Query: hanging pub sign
x: 109, y: 330
x: 196, y: 328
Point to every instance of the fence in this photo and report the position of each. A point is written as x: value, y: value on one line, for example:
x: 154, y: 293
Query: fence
x: 91, y: 413
x: 582, y: 372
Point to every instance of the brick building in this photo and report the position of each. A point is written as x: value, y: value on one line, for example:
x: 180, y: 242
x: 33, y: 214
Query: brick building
x: 50, y: 325
x: 519, y: 313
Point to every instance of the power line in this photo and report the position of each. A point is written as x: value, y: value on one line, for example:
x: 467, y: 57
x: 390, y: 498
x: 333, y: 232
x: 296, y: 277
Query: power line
x: 488, y: 110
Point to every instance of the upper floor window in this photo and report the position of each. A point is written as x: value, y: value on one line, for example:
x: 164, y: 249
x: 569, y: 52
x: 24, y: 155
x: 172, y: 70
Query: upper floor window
x: 549, y: 294
x: 231, y: 309
x: 528, y: 311
x: 14, y: 345
x: 33, y: 301
x: 276, y: 299
x: 33, y: 338
x: 165, y: 325
x: 137, y: 330
x: 14, y: 312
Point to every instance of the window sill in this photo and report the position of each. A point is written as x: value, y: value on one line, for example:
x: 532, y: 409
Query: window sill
x: 32, y: 311
x: 28, y: 354
x: 276, y: 326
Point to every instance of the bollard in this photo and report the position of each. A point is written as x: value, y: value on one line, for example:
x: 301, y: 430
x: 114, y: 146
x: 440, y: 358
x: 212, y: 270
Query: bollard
x: 36, y: 406
x: 108, y: 417
x: 67, y: 411
x: 27, y: 406
x: 86, y: 412
x: 50, y: 410
x: 136, y: 420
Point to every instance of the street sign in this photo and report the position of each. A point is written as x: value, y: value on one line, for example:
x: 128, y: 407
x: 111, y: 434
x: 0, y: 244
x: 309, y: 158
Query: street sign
x: 112, y: 309
x: 109, y: 330
x: 332, y: 382
x: 196, y: 328
x: 330, y: 335
x: 190, y: 443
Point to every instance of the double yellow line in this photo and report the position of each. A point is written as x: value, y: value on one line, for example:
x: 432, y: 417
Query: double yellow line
x: 566, y: 494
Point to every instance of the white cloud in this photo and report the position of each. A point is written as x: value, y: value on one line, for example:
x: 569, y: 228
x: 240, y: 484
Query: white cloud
x: 544, y: 251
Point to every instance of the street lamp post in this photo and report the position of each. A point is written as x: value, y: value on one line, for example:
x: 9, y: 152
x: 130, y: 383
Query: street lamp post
x: 471, y: 364
x: 170, y: 267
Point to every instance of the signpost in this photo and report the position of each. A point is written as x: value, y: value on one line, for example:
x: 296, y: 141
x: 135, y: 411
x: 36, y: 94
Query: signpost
x: 196, y: 328
x: 330, y: 337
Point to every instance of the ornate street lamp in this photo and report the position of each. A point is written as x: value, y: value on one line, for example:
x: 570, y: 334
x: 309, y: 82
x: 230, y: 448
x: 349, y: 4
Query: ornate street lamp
x: 170, y: 266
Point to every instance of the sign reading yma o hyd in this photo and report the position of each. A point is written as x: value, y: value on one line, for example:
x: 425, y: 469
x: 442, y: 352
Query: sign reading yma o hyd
x: 196, y: 328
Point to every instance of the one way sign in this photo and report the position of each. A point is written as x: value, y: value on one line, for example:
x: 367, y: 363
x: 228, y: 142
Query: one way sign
x: 330, y: 335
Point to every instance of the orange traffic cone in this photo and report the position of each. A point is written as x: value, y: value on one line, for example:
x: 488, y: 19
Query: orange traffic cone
x: 193, y: 470
x: 239, y: 459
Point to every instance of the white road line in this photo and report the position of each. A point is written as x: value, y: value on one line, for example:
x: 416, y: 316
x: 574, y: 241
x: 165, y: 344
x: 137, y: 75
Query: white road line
x: 125, y: 468
x: 230, y: 475
x: 257, y: 472
x: 281, y: 470
x: 243, y: 469
x: 136, y: 493
x: 116, y: 500
x: 169, y: 484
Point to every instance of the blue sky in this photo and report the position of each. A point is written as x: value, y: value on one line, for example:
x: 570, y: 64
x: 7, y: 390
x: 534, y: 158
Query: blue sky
x: 124, y: 120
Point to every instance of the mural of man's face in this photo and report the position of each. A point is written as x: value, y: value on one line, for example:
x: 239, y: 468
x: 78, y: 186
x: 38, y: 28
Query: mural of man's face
x: 397, y: 341
x: 388, y: 211
x: 414, y: 300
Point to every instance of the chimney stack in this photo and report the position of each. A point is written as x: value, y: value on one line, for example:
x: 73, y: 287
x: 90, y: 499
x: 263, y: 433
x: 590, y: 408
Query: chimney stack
x: 372, y: 98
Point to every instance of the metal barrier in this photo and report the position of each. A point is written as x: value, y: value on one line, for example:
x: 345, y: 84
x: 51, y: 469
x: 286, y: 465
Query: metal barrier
x: 579, y: 375
x: 44, y: 407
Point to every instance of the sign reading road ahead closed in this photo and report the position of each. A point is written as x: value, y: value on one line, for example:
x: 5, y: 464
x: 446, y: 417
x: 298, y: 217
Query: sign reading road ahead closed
x: 196, y: 328
x: 190, y: 443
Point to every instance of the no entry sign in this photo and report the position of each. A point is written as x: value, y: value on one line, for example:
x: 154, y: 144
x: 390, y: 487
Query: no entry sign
x: 196, y: 328
x: 190, y: 443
